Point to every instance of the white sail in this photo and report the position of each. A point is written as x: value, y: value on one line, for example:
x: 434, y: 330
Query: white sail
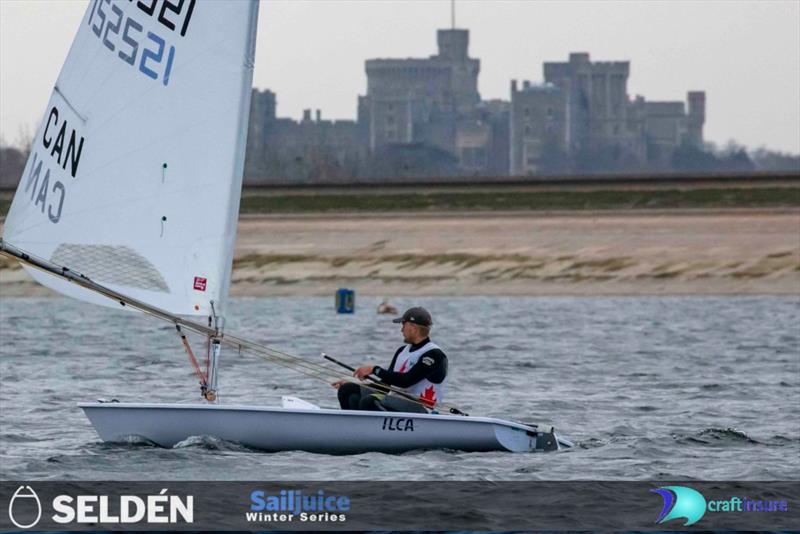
x: 134, y: 177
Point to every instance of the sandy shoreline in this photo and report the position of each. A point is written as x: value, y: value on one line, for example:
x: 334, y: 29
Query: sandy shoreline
x: 723, y: 252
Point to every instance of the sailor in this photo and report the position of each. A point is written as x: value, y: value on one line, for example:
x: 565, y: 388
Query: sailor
x: 418, y: 369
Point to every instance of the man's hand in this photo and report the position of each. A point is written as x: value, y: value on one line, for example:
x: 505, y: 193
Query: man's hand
x: 339, y: 383
x: 364, y: 371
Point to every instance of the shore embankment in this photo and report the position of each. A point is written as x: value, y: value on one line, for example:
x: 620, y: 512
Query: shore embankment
x: 561, y: 252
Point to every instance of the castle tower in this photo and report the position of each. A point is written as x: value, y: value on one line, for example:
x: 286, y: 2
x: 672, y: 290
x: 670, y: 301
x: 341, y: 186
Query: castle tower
x: 696, y: 118
x: 453, y: 44
x: 420, y: 100
x: 538, y: 127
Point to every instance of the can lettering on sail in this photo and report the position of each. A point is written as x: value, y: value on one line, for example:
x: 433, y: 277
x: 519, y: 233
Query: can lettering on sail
x: 57, y: 151
x: 55, y: 136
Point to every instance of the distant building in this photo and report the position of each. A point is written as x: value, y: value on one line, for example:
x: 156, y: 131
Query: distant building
x: 539, y: 129
x: 434, y: 102
x: 424, y: 117
x: 497, y: 113
x: 313, y: 150
x: 420, y: 100
x: 696, y: 118
x: 583, y: 111
x: 668, y: 125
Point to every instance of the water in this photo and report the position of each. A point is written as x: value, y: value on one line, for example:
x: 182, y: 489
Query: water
x: 648, y: 387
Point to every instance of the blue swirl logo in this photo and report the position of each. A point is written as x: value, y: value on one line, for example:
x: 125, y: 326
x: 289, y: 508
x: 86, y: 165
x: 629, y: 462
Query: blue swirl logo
x: 681, y: 502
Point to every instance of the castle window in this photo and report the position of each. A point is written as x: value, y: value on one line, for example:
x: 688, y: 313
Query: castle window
x: 527, y: 112
x: 527, y: 130
x: 550, y: 113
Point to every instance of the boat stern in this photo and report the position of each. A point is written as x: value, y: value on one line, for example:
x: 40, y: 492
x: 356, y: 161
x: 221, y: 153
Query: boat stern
x: 531, y: 439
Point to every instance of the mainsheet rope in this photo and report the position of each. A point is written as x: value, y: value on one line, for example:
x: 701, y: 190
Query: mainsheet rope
x: 319, y: 371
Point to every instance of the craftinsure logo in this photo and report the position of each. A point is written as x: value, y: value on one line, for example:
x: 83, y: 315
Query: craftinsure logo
x: 681, y: 502
x: 25, y: 509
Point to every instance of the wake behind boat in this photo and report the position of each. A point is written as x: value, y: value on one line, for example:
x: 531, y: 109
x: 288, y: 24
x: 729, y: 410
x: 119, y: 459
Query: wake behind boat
x: 130, y: 198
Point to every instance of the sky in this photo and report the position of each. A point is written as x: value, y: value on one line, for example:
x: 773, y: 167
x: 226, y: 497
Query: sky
x: 745, y: 55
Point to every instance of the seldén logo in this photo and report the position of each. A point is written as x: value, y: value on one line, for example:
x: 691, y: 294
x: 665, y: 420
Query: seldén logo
x: 26, y: 504
x: 681, y: 502
x: 25, y: 509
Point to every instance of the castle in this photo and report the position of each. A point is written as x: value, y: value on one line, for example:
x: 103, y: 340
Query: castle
x: 425, y: 118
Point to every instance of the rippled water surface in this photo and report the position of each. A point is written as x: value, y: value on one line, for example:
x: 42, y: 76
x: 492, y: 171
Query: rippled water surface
x: 648, y: 387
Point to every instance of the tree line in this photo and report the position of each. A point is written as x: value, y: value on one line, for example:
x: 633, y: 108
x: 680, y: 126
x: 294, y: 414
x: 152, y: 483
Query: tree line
x: 413, y: 161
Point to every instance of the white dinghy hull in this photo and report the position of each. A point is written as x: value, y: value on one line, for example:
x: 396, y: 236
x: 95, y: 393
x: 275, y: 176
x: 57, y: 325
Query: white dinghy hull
x: 314, y: 430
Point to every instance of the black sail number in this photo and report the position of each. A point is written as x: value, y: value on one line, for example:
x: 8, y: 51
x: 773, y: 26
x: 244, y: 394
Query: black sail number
x: 175, y: 8
x: 101, y: 14
x: 130, y: 58
x: 114, y: 28
x: 147, y: 9
x: 151, y: 50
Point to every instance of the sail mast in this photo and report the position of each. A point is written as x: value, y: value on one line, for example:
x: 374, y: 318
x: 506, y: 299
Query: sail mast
x: 218, y: 308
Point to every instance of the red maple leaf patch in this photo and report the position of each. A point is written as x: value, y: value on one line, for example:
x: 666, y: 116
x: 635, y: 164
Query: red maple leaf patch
x: 428, y: 396
x: 404, y: 367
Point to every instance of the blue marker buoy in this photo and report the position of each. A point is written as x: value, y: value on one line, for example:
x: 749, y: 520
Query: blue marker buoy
x: 345, y: 300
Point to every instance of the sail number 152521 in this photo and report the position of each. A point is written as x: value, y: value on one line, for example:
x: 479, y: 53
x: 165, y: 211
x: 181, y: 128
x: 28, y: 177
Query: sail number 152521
x: 122, y: 34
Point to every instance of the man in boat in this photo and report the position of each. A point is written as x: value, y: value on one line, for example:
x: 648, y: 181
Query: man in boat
x: 418, y: 369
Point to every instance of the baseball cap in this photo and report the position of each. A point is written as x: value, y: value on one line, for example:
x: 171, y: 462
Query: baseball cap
x: 417, y: 315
